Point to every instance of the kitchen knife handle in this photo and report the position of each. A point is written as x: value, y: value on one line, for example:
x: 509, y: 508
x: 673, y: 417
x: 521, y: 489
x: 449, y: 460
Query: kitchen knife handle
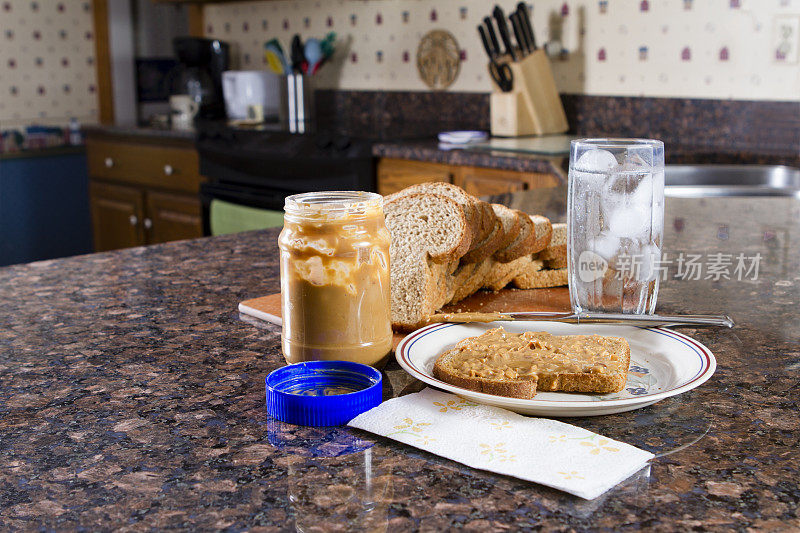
x: 519, y: 34
x: 485, y: 41
x: 527, y: 27
x: 492, y: 36
x: 502, y: 28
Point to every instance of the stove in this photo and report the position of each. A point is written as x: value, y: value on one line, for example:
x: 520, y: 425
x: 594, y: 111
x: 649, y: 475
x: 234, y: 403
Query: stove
x: 258, y: 168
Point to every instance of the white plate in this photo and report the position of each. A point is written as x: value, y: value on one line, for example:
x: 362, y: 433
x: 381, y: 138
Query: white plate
x: 664, y: 363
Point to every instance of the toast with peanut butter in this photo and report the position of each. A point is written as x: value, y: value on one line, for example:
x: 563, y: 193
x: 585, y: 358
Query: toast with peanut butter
x: 518, y: 364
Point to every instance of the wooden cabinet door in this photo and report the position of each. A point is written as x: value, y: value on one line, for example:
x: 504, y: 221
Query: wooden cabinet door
x: 172, y: 217
x: 117, y: 214
x: 397, y: 174
x: 487, y: 181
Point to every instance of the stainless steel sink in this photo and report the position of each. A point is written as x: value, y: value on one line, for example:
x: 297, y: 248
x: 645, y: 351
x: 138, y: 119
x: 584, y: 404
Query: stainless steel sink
x: 696, y: 181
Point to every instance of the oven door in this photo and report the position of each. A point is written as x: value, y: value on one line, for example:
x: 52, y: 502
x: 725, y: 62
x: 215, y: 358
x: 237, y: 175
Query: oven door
x: 231, y: 208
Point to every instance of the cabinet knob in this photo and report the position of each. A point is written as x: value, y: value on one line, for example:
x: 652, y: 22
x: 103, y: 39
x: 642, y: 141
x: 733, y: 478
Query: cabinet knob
x: 148, y: 223
x: 168, y: 170
x: 109, y: 162
x: 133, y: 219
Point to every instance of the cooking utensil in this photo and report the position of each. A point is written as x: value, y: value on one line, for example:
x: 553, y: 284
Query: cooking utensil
x: 502, y: 28
x: 527, y: 28
x: 519, y: 34
x: 313, y: 54
x: 589, y: 318
x: 492, y: 37
x: 299, y: 63
x: 276, y: 59
x: 485, y: 40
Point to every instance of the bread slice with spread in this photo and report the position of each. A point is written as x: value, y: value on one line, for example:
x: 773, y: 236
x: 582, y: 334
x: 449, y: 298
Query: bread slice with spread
x: 517, y: 365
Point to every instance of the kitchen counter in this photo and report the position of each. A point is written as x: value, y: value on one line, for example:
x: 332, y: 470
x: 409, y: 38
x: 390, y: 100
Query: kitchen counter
x: 429, y: 151
x: 132, y: 396
x: 142, y: 132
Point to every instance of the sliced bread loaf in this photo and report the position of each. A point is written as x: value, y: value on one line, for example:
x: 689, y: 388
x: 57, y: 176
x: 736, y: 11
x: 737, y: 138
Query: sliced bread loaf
x: 429, y: 235
x: 501, y: 274
x: 540, y: 279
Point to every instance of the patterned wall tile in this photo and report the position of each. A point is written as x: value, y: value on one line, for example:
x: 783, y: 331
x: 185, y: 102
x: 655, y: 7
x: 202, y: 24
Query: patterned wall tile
x: 661, y: 48
x: 47, y: 72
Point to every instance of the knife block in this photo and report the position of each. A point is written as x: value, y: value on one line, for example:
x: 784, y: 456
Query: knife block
x: 533, y: 106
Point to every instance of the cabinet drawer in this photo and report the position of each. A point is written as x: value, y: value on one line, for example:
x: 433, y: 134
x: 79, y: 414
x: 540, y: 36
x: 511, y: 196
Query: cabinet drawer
x: 397, y: 174
x: 487, y: 181
x: 144, y: 164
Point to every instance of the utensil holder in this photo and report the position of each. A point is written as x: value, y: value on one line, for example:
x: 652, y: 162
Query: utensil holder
x: 298, y: 96
x: 533, y: 106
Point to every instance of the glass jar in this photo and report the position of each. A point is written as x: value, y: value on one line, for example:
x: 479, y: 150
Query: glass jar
x: 335, y: 296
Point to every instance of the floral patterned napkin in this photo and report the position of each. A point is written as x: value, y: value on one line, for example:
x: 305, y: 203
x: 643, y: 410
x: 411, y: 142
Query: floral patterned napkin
x: 541, y: 450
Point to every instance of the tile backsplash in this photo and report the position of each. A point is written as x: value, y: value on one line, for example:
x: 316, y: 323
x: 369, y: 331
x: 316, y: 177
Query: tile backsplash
x: 727, y: 49
x: 47, y: 70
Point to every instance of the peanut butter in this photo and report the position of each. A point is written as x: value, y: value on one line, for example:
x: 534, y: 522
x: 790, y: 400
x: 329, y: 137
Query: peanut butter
x: 498, y: 354
x: 335, y: 278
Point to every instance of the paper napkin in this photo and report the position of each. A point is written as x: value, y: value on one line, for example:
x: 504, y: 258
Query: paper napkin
x: 544, y: 451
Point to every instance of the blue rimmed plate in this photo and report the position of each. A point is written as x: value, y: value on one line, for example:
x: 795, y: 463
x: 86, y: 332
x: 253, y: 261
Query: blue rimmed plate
x: 664, y: 363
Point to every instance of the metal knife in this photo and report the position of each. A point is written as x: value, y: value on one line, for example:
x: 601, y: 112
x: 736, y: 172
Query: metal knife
x: 527, y: 28
x: 589, y: 318
x: 502, y: 28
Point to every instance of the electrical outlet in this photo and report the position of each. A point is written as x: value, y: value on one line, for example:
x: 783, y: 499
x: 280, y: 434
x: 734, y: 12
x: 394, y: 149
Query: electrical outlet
x: 785, y: 38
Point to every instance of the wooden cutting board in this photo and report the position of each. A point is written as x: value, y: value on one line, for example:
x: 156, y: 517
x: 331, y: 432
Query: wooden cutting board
x: 268, y: 308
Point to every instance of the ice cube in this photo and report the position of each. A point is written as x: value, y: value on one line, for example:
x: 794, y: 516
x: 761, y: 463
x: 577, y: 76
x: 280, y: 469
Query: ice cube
x: 596, y: 160
x: 607, y: 245
x: 631, y: 221
x: 635, y: 163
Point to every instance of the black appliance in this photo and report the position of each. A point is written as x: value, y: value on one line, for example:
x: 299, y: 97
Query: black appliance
x: 199, y: 73
x: 259, y: 169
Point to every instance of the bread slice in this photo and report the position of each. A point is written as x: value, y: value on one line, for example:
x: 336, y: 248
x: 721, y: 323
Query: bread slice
x: 540, y: 279
x: 501, y: 274
x: 446, y: 369
x: 538, y: 361
x: 556, y: 251
x: 473, y: 210
x: 533, y: 236
x: 429, y: 235
x: 471, y: 280
x: 512, y: 222
x: 487, y: 246
x: 543, y: 231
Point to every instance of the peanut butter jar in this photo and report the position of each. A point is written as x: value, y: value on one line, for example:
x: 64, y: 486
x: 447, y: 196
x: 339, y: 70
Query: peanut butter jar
x: 335, y: 295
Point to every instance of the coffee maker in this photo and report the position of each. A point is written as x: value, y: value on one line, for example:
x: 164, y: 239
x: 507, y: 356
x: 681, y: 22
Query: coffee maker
x: 199, y: 73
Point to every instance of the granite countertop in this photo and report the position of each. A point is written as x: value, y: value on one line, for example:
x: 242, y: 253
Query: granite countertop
x: 430, y: 151
x: 143, y: 132
x: 132, y: 397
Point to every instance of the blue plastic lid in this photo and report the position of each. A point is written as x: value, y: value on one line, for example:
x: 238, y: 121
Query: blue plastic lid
x: 322, y: 393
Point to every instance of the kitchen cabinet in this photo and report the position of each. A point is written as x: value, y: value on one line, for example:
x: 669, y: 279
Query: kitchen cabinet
x: 143, y: 190
x: 117, y: 214
x: 397, y: 174
x: 172, y: 217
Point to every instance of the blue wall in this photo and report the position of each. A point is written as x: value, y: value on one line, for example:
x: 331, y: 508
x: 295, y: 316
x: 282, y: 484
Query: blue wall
x: 44, y: 208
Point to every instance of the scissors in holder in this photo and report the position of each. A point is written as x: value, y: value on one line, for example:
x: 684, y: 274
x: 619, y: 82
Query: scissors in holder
x: 502, y: 75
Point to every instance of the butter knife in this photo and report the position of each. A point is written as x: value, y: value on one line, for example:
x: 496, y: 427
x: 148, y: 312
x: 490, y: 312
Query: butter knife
x: 589, y: 318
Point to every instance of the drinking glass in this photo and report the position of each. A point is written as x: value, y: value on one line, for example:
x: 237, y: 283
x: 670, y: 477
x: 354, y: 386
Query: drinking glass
x: 615, y: 218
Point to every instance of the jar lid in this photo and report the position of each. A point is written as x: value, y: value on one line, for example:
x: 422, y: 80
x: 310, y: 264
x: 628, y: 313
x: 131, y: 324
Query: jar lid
x: 322, y: 393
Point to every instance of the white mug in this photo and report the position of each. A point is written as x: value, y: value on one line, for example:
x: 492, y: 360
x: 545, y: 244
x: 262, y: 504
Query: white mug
x: 183, y: 109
